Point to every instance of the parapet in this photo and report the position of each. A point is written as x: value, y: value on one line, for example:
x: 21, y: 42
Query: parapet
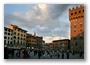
x: 77, y: 7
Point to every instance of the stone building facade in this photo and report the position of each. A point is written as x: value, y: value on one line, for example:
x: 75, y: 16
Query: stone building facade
x: 34, y: 42
x: 62, y: 45
x: 18, y: 37
x: 30, y: 41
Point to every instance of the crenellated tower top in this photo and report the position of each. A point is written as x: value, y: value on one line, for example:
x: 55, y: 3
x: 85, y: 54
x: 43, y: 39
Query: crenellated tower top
x: 76, y: 12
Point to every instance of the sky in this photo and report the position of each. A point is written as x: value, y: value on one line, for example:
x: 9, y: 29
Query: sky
x: 48, y: 20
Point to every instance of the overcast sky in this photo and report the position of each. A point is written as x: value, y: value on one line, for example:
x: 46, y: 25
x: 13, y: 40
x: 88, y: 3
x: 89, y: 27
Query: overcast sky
x: 48, y: 20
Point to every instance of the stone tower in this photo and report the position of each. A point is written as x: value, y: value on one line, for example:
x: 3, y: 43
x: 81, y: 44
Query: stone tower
x: 76, y: 18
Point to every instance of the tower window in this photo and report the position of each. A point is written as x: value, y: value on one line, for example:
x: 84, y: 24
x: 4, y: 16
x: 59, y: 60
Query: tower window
x: 83, y: 10
x: 74, y: 30
x: 80, y: 30
x: 81, y: 25
x: 71, y: 13
x: 75, y: 12
x: 79, y: 11
x: 74, y: 25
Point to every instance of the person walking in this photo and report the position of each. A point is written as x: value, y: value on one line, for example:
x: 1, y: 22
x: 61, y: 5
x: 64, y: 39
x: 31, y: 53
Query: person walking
x: 67, y: 55
x: 28, y: 53
x: 58, y: 55
x: 62, y: 55
x: 25, y: 55
x: 50, y: 55
x: 39, y: 54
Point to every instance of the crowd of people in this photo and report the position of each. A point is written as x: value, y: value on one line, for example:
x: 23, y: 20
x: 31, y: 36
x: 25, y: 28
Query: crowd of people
x: 27, y: 54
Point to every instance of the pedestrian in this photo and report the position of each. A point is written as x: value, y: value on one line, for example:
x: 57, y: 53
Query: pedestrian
x: 80, y: 54
x: 50, y: 55
x: 67, y: 55
x: 19, y: 53
x: 39, y: 54
x: 62, y: 55
x: 58, y: 55
x: 28, y: 53
x: 16, y: 53
x: 25, y: 55
x: 44, y: 56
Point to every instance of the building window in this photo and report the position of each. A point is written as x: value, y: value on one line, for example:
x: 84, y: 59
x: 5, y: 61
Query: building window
x: 79, y: 11
x: 81, y: 30
x: 71, y: 13
x: 14, y: 41
x: 17, y: 41
x: 5, y: 29
x: 15, y: 33
x: 18, y: 37
x: 21, y: 35
x: 75, y: 43
x: 5, y: 33
x: 5, y: 37
x: 8, y: 37
x: 74, y: 25
x: 8, y: 42
x: 74, y: 30
x: 8, y: 33
x: 4, y: 41
x: 18, y: 30
x: 11, y: 38
x: 75, y: 12
x: 9, y: 30
x: 18, y: 33
x: 83, y: 10
x: 14, y: 37
x: 81, y: 25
